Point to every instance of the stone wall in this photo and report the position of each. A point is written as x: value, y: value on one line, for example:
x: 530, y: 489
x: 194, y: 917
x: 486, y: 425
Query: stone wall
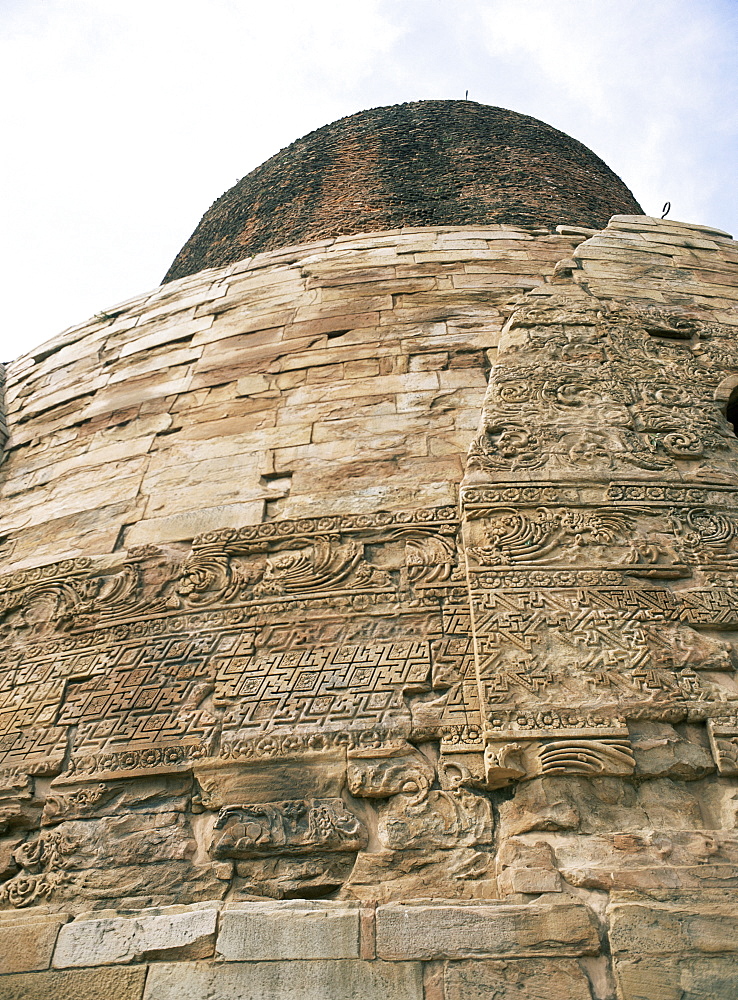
x: 434, y: 698
x: 342, y: 377
x: 663, y: 948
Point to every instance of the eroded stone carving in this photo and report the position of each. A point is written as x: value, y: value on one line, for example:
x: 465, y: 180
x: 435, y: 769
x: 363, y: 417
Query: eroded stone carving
x: 561, y: 649
x: 293, y: 827
x: 415, y: 814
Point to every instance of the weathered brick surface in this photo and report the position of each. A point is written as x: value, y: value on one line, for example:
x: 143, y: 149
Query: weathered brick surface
x: 424, y: 164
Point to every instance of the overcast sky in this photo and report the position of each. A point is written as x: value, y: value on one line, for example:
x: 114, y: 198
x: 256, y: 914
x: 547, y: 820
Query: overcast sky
x: 123, y: 121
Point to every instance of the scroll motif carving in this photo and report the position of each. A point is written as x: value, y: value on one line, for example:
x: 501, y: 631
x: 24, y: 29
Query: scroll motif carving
x: 724, y: 743
x: 604, y: 390
x: 154, y: 662
x: 44, y: 863
x: 421, y: 659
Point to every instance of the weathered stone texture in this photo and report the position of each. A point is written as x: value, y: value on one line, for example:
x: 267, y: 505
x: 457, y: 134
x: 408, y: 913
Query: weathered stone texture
x: 255, y: 932
x: 75, y: 984
x: 674, y: 923
x: 685, y: 978
x: 110, y: 940
x: 522, y: 979
x: 27, y: 940
x: 340, y: 377
x: 407, y: 931
x: 298, y: 980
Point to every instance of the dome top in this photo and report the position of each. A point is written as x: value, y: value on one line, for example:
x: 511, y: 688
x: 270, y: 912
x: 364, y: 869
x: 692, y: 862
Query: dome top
x: 429, y: 163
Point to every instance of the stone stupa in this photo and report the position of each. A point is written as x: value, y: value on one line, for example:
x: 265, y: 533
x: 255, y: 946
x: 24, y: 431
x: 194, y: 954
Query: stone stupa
x: 369, y: 603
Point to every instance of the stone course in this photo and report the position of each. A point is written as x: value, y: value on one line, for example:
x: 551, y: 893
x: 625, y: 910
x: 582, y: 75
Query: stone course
x: 220, y: 399
x: 665, y: 945
x: 434, y: 931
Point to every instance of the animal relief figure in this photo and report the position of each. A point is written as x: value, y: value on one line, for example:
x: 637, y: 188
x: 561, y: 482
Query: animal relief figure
x: 289, y: 849
x: 289, y: 827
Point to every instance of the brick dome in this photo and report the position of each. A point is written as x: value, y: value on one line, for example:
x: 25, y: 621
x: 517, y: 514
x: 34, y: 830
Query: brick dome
x: 429, y: 163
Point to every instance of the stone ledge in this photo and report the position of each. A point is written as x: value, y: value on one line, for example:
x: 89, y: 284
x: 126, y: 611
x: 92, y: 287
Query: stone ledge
x: 172, y: 932
x: 419, y: 931
x: 298, y: 980
x: 272, y: 932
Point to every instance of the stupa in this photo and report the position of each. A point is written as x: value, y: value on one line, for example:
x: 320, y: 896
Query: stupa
x: 369, y: 604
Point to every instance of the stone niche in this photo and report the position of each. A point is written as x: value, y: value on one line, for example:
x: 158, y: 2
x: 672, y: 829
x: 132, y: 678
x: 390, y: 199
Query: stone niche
x: 389, y: 648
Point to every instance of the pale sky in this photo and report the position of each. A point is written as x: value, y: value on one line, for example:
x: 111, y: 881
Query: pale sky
x: 123, y: 122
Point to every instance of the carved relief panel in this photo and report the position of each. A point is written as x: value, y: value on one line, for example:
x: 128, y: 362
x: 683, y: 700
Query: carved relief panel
x: 602, y: 588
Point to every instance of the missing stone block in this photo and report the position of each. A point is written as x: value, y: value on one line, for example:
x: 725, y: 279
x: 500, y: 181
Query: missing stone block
x: 279, y: 482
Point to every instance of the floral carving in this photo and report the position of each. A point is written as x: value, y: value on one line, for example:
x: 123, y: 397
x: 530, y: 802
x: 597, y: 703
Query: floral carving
x: 415, y: 814
x: 43, y: 861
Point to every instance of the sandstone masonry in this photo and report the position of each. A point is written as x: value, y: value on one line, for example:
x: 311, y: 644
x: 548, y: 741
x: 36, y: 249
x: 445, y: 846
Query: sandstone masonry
x: 370, y: 619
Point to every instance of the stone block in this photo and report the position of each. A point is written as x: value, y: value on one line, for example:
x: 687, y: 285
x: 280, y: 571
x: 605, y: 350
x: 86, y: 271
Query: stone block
x: 254, y: 932
x: 690, y: 978
x: 668, y: 924
x: 173, y: 932
x: 156, y: 335
x: 523, y: 979
x: 291, y: 980
x: 75, y: 984
x: 331, y: 324
x: 124, y: 395
x: 188, y: 524
x: 251, y: 384
x: 535, y: 880
x: 416, y: 931
x: 238, y: 321
x: 171, y: 359
x: 27, y: 940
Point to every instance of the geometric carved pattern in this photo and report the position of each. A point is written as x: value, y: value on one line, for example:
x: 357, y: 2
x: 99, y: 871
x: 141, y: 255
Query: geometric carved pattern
x: 575, y: 595
x: 588, y: 586
x: 277, y: 628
